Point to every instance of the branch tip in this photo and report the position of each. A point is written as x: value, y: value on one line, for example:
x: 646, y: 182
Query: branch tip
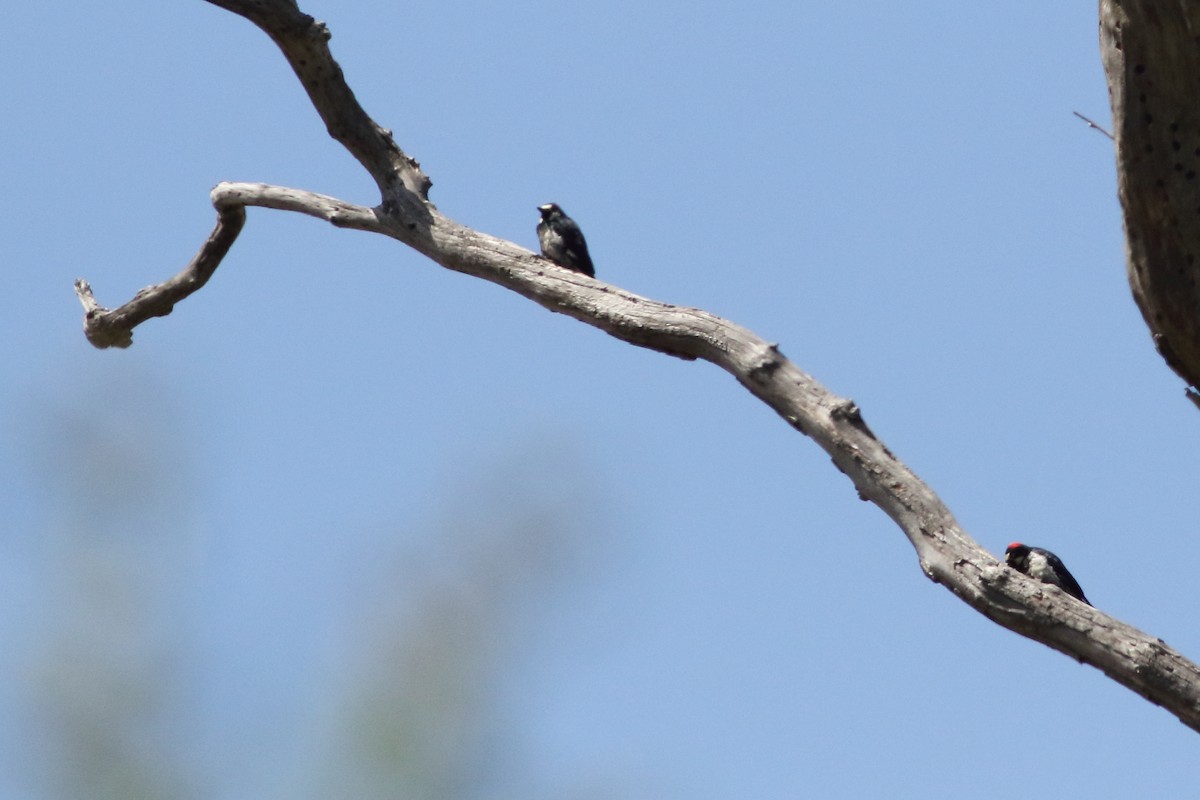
x: 83, y: 290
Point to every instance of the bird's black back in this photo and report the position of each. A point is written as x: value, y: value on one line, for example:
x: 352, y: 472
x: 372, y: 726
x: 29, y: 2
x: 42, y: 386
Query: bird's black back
x: 562, y: 241
x: 1067, y: 581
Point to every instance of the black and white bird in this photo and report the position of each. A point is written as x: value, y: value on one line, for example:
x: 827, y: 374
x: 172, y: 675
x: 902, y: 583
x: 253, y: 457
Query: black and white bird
x: 1043, y: 565
x: 562, y: 241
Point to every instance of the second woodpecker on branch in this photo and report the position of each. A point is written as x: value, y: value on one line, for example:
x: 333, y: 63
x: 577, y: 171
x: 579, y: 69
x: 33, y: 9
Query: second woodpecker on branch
x: 562, y: 241
x: 1044, y: 566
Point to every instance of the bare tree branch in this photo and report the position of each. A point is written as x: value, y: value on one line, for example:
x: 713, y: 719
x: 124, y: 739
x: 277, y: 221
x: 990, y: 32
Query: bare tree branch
x: 947, y: 555
x: 108, y: 328
x: 105, y: 328
x: 305, y: 43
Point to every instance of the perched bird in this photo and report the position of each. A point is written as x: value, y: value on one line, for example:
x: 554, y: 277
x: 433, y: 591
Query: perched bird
x: 562, y: 241
x: 1043, y: 565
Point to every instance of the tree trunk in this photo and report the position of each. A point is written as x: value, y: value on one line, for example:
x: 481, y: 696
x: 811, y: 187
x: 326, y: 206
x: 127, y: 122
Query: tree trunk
x: 1151, y: 58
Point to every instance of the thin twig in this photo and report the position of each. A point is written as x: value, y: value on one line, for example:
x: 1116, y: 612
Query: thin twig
x: 1091, y: 124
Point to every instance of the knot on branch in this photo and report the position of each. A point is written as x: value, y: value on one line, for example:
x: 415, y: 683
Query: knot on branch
x: 767, y: 362
x: 848, y: 411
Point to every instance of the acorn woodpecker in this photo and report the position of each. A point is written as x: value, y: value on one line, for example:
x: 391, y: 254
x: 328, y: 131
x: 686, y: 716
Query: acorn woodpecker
x: 562, y: 241
x: 1043, y: 565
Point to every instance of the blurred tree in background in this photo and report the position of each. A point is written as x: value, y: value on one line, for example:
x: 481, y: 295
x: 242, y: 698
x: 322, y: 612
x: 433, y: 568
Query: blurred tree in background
x: 115, y: 710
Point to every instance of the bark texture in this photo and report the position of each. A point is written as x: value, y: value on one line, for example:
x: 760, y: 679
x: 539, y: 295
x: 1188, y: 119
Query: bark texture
x: 1151, y: 55
x: 947, y: 555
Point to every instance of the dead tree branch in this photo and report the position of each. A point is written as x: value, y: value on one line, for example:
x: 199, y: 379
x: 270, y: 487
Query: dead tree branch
x: 947, y: 555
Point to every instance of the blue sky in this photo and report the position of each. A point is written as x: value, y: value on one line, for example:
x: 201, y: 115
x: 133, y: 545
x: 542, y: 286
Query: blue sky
x: 292, y: 473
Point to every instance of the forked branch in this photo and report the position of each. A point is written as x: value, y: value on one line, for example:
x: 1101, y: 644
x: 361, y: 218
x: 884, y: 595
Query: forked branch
x: 946, y: 553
